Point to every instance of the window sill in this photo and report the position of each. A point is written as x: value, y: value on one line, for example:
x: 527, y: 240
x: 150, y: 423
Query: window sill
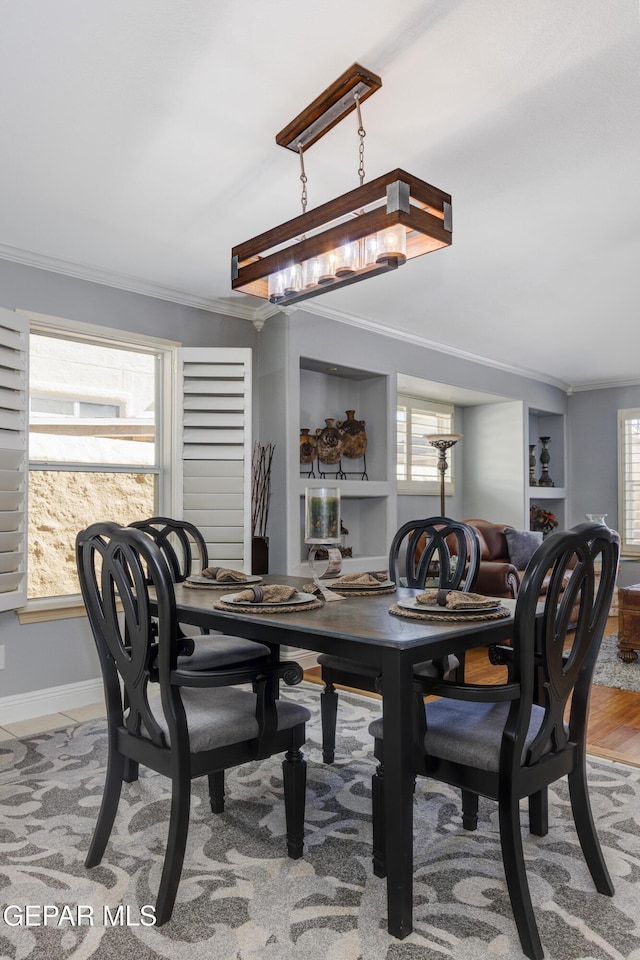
x: 51, y: 608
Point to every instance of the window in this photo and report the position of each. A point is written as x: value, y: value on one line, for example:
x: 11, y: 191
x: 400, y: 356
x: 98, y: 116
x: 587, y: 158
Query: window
x: 93, y: 447
x: 417, y: 471
x: 119, y: 426
x: 629, y: 480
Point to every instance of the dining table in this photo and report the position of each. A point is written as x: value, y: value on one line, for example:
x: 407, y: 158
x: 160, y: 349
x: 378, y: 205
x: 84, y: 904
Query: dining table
x: 361, y: 628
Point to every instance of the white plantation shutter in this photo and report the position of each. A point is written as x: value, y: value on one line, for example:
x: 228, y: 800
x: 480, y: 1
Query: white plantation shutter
x: 629, y: 479
x: 14, y: 345
x: 214, y: 431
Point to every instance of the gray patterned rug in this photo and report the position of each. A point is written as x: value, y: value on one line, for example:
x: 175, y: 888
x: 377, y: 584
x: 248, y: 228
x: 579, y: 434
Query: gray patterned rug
x: 612, y: 672
x: 240, y: 898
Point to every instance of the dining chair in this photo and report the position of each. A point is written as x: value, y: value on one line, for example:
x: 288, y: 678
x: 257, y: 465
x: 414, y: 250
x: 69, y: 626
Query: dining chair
x: 420, y: 550
x: 496, y: 741
x: 179, y: 722
x: 185, y: 548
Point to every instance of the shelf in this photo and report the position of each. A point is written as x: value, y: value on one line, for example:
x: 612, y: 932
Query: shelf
x: 348, y: 488
x: 547, y: 493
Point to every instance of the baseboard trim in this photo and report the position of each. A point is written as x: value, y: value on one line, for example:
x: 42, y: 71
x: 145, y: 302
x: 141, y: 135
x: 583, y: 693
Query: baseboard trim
x: 306, y: 658
x: 39, y: 703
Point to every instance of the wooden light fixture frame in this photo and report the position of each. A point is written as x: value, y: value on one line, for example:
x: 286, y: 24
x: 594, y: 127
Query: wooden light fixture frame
x: 396, y: 199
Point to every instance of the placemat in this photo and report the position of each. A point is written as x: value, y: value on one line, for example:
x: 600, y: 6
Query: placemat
x: 499, y: 614
x: 268, y: 607
x: 363, y: 592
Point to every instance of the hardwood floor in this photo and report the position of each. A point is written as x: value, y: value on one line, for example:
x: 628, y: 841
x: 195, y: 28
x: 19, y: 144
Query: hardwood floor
x: 614, y: 716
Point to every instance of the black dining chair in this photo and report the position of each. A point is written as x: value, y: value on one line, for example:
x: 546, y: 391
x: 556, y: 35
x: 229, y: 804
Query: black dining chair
x: 420, y: 550
x: 496, y: 741
x: 179, y: 722
x: 185, y: 551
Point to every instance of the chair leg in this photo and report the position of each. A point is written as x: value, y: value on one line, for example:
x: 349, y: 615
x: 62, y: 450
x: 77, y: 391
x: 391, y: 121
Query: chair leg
x: 539, y: 813
x: 176, y: 844
x: 130, y: 770
x: 469, y: 810
x: 216, y: 791
x: 516, y: 876
x: 329, y: 716
x: 294, y: 775
x: 108, y: 808
x: 585, y: 827
x: 377, y: 816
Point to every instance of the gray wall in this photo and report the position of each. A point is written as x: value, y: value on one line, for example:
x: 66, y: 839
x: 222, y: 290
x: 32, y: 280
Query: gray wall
x: 42, y: 655
x: 59, y: 652
x: 593, y: 458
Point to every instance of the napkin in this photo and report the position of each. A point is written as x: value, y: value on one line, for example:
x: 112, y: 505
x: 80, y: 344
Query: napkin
x: 360, y: 580
x: 274, y: 593
x: 224, y: 575
x: 455, y: 599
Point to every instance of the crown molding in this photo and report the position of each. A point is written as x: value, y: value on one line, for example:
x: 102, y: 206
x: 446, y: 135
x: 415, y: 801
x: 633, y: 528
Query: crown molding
x: 244, y: 309
x: 374, y: 327
x: 605, y: 385
x: 122, y: 281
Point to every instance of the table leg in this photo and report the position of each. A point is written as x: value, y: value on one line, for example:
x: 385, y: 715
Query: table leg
x: 398, y: 705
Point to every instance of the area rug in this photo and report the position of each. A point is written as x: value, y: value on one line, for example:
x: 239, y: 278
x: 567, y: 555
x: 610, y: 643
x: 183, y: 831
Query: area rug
x: 241, y: 898
x: 612, y: 672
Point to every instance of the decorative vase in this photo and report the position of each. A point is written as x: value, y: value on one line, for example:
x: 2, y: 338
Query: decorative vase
x: 259, y: 554
x: 330, y: 443
x: 545, y: 480
x: 322, y: 515
x: 354, y: 436
x: 308, y: 446
x: 532, y: 465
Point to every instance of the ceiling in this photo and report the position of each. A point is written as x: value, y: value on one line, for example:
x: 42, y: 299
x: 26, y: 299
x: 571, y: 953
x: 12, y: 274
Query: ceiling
x: 139, y: 147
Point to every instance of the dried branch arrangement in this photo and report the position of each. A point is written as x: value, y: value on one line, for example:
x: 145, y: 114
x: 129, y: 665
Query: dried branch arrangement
x: 261, y: 487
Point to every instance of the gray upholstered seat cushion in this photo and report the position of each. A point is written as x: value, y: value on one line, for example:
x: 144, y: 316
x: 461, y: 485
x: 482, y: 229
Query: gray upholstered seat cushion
x: 214, y: 650
x: 219, y: 716
x: 468, y: 733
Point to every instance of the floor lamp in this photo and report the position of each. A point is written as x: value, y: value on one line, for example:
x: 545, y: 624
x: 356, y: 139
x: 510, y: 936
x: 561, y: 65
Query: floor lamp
x: 442, y: 442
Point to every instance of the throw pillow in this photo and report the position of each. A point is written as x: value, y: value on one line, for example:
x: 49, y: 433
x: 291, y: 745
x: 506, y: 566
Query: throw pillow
x: 522, y: 544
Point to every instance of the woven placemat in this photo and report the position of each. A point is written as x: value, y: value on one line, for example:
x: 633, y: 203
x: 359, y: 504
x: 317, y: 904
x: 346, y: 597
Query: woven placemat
x: 268, y: 607
x: 363, y: 592
x: 499, y: 614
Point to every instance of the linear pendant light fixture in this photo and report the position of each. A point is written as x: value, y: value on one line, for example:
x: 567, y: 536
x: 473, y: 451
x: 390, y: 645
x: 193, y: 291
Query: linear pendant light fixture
x: 370, y: 230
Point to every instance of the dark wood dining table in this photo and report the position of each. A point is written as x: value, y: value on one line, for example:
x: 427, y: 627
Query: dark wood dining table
x: 361, y: 628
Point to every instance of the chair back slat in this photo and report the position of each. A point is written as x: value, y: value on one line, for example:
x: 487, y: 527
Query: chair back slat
x: 422, y: 546
x: 180, y: 541
x: 556, y: 650
x: 117, y: 566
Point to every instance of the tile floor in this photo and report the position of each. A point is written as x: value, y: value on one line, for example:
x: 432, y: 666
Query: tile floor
x: 25, y: 728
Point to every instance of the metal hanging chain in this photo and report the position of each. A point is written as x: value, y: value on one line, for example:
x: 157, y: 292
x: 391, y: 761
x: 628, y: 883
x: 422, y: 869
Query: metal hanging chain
x: 362, y: 134
x: 303, y: 180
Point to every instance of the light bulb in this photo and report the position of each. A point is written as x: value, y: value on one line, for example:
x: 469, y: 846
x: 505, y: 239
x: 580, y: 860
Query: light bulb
x: 327, y: 267
x: 310, y: 272
x: 392, y: 245
x: 369, y: 250
x: 347, y: 259
x: 276, y: 287
x: 292, y: 279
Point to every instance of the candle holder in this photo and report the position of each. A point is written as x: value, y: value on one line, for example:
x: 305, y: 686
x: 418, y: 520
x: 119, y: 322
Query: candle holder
x: 322, y: 530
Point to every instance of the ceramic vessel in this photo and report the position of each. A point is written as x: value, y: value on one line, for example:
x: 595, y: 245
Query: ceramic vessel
x: 330, y: 443
x: 354, y: 436
x: 308, y: 446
